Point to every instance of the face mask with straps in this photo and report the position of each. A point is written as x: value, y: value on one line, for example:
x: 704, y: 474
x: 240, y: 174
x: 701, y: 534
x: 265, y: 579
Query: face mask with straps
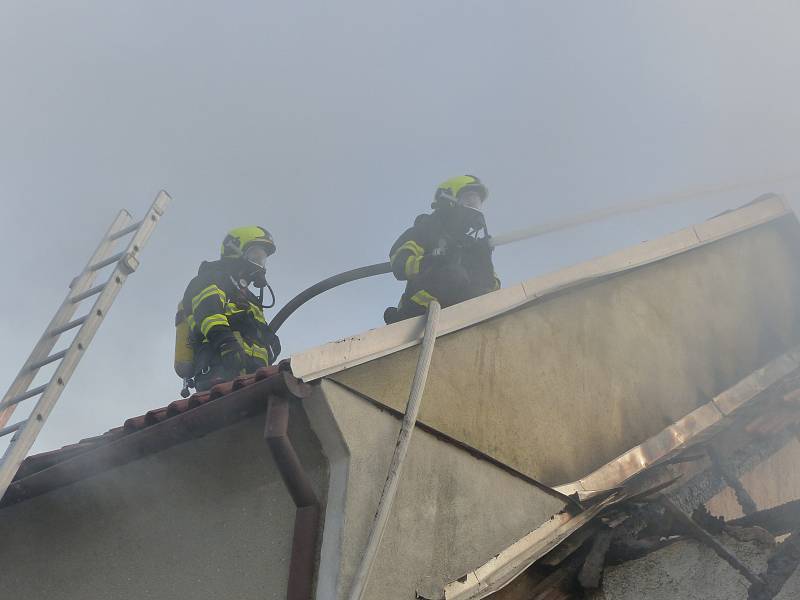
x: 255, y: 257
x: 463, y: 214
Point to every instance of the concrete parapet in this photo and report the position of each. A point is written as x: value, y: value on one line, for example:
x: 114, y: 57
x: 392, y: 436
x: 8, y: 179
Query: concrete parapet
x: 567, y: 382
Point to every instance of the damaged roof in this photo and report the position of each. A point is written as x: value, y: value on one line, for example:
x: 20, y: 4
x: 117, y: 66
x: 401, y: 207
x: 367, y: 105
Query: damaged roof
x: 757, y: 417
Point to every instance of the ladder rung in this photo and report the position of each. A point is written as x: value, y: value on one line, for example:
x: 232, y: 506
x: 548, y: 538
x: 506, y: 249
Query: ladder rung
x: 12, y: 428
x: 125, y: 231
x: 46, y: 396
x: 67, y: 326
x: 108, y: 261
x: 88, y: 293
x: 48, y: 360
x: 21, y: 397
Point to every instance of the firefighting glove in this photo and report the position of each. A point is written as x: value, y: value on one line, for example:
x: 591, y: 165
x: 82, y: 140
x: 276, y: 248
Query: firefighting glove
x: 433, y: 261
x: 233, y: 358
x: 273, y: 344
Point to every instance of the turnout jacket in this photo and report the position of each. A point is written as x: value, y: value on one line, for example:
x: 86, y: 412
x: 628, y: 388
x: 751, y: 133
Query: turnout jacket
x: 218, y: 310
x: 440, y: 264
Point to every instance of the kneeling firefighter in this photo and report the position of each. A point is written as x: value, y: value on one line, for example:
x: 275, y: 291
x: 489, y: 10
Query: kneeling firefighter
x: 221, y: 329
x: 446, y: 255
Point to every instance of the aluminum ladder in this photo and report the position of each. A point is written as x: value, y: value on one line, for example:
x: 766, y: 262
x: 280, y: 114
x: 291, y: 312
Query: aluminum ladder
x: 81, y: 288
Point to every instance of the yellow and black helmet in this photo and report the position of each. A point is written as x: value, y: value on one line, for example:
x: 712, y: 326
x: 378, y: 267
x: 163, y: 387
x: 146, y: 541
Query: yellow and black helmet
x: 240, y: 239
x: 448, y: 191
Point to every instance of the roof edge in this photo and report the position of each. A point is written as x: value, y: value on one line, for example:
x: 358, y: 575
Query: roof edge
x: 333, y: 357
x: 228, y: 405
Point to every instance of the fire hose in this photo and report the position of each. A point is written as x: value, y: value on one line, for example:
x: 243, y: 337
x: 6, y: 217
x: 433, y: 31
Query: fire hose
x: 400, y: 451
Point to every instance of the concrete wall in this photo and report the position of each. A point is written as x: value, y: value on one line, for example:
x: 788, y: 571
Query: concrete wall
x: 566, y: 384
x: 690, y: 571
x: 205, y: 520
x: 453, y: 511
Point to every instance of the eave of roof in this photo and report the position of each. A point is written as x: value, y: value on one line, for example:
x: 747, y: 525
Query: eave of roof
x: 156, y: 430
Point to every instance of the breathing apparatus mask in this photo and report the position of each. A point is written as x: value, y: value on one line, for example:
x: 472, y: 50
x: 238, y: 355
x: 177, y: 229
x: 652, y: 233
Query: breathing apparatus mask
x: 254, y: 271
x: 459, y: 201
x: 255, y: 259
x: 463, y: 216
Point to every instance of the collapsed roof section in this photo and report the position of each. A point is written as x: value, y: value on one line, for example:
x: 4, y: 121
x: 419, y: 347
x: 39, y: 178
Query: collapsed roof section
x: 650, y: 499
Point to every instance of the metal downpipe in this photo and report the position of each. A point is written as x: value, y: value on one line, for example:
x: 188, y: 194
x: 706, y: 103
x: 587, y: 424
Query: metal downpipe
x: 297, y: 481
x: 400, y: 451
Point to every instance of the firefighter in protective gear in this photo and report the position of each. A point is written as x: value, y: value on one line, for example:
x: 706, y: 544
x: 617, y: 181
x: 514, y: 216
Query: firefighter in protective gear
x: 446, y: 255
x: 228, y: 333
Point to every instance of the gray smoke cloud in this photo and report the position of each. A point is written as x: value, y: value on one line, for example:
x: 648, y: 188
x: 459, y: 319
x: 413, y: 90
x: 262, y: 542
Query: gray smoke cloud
x: 331, y: 124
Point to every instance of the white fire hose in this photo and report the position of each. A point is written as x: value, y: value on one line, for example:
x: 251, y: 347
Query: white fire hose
x: 400, y: 451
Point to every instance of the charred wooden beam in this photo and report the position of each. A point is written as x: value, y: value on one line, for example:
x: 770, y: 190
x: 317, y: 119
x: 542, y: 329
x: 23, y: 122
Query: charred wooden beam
x: 704, y: 486
x: 712, y: 524
x: 592, y: 570
x: 560, y: 583
x: 780, y: 567
x: 703, y: 536
x: 744, y: 499
x: 778, y: 521
x: 627, y: 550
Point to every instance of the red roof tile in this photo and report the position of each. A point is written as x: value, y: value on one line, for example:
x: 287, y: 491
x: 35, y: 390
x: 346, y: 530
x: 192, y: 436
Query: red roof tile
x: 44, y: 460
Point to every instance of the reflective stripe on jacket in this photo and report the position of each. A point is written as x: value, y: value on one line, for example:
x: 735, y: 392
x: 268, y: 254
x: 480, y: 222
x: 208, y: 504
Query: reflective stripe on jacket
x: 218, y: 307
x: 429, y: 236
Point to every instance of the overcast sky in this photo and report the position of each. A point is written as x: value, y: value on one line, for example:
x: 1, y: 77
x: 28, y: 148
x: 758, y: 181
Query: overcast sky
x: 330, y: 123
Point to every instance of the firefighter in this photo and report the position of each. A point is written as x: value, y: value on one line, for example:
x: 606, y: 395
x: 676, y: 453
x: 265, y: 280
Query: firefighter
x: 446, y: 255
x: 224, y: 320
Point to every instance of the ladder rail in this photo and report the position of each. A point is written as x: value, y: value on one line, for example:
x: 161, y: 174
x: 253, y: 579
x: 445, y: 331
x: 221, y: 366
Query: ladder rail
x: 65, y: 312
x: 26, y: 432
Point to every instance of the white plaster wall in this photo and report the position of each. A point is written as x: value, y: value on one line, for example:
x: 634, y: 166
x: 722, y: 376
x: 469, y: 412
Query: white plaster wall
x: 453, y: 511
x: 205, y: 520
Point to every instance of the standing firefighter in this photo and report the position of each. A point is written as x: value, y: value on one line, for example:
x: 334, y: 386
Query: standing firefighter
x: 222, y: 332
x: 446, y: 255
